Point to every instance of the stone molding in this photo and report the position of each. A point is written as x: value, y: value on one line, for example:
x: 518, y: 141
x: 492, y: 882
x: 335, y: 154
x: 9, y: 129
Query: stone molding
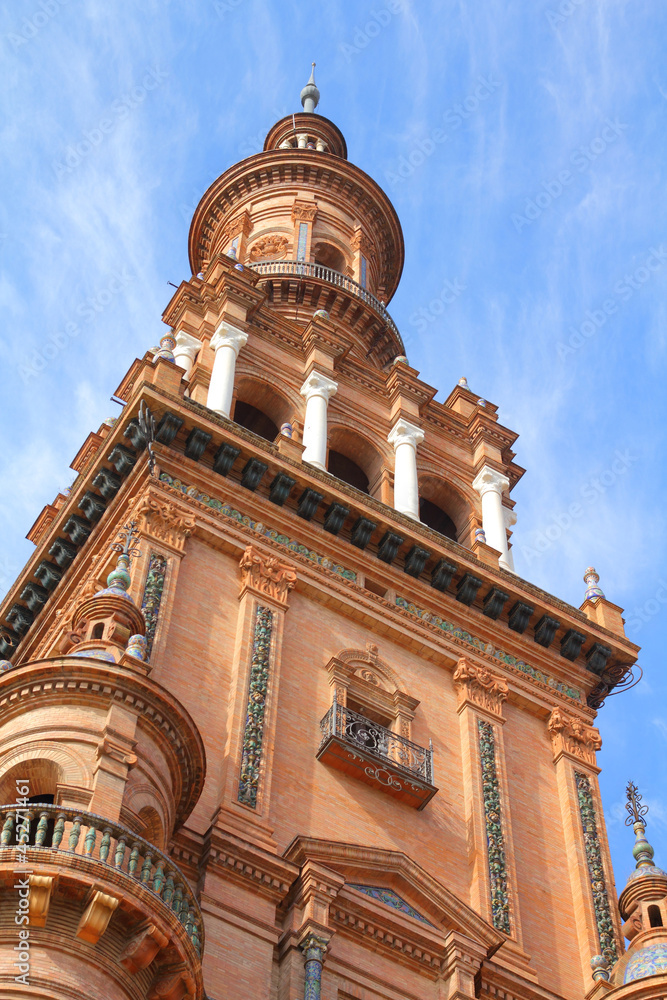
x: 490, y: 480
x: 304, y: 211
x: 266, y: 575
x: 570, y: 735
x: 403, y: 432
x: 164, y: 521
x: 318, y: 385
x: 480, y: 687
x: 227, y: 335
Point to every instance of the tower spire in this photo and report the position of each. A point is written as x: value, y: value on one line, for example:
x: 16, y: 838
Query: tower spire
x: 592, y: 579
x: 310, y: 95
x: 642, y: 851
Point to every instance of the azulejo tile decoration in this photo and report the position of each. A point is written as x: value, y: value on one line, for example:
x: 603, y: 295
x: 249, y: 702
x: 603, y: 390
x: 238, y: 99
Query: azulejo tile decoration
x: 253, y: 732
x: 390, y: 898
x: 595, y: 869
x: 258, y: 527
x: 488, y: 648
x: 651, y: 960
x: 500, y: 905
x: 152, y: 597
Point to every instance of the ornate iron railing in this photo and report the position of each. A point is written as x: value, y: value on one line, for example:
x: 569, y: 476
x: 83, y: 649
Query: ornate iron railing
x: 48, y: 828
x: 382, y: 744
x: 302, y: 268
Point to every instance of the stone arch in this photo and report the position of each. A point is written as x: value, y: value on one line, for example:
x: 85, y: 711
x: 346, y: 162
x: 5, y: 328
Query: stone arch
x: 369, y: 666
x: 350, y: 454
x: 60, y: 762
x: 141, y: 800
x: 260, y: 407
x: 328, y: 253
x: 452, y: 499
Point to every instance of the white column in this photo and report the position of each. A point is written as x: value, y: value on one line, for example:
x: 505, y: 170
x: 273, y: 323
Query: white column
x: 490, y: 485
x: 510, y: 521
x: 318, y: 390
x: 227, y: 341
x: 186, y: 350
x: 405, y: 437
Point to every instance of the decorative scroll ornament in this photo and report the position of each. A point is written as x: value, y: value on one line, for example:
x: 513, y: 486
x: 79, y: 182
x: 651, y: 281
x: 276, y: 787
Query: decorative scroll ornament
x: 146, y: 422
x: 253, y: 732
x: 266, y: 574
x: 165, y: 521
x: 500, y: 905
x: 272, y: 247
x: 480, y: 686
x: 571, y: 735
x: 596, y: 875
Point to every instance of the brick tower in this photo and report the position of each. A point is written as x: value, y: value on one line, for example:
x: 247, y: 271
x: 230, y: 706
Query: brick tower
x: 277, y: 717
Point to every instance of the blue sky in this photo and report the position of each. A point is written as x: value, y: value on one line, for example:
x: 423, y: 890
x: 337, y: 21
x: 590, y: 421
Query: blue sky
x: 522, y: 145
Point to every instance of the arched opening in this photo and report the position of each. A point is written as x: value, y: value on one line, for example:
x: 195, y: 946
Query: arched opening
x: 152, y: 830
x: 444, y: 508
x: 255, y: 420
x: 98, y: 631
x: 654, y: 916
x: 435, y: 517
x: 344, y: 468
x: 329, y: 256
x: 40, y: 777
x: 354, y: 460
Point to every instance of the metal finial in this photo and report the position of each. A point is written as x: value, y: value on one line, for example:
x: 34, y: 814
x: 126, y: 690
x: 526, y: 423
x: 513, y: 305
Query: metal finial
x: 310, y: 95
x: 642, y: 852
x: 636, y: 811
x: 591, y: 579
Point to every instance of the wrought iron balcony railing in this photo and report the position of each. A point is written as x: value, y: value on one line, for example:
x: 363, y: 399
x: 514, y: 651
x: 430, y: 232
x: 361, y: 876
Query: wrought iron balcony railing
x: 300, y: 268
x: 49, y: 828
x: 378, y: 756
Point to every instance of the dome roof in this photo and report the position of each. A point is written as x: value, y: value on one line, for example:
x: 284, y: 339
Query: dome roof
x: 648, y: 961
x: 644, y: 872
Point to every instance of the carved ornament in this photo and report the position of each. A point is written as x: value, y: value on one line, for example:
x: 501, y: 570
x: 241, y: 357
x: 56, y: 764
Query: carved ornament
x: 96, y: 916
x: 480, y: 686
x: 164, y: 521
x: 40, y: 887
x: 143, y: 948
x: 304, y: 211
x: 266, y: 575
x: 573, y: 736
x: 272, y: 247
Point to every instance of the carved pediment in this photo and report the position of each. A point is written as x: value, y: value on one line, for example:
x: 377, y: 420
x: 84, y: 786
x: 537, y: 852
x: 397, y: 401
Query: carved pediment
x: 408, y: 887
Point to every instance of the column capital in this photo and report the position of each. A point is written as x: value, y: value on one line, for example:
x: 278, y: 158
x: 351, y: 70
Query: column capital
x: 319, y: 385
x: 186, y: 345
x: 404, y: 432
x: 314, y: 947
x: 574, y: 737
x: 227, y: 335
x: 489, y: 480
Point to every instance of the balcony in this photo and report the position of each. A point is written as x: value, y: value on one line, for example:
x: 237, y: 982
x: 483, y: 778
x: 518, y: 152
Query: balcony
x: 92, y: 879
x: 387, y: 340
x: 377, y: 756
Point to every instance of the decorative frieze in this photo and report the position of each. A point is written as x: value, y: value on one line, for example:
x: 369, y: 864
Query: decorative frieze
x: 152, y: 596
x: 596, y: 874
x: 500, y: 904
x: 487, y: 647
x: 253, y: 732
x: 267, y: 575
x: 571, y: 735
x: 259, y: 528
x: 480, y: 686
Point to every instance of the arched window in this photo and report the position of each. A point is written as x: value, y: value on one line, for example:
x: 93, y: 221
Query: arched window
x: 435, y: 517
x: 329, y: 256
x: 353, y: 459
x: 255, y: 420
x: 654, y: 916
x: 344, y: 468
x: 40, y: 777
x: 98, y: 631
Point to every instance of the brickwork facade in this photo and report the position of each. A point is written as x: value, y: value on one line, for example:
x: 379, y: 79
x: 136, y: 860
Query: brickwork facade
x: 321, y: 743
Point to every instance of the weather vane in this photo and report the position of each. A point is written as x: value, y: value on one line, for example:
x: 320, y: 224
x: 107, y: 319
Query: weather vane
x: 636, y: 811
x: 146, y: 422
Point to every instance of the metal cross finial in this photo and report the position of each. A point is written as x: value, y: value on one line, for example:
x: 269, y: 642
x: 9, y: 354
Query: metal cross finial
x: 128, y: 535
x: 636, y: 811
x: 146, y: 422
